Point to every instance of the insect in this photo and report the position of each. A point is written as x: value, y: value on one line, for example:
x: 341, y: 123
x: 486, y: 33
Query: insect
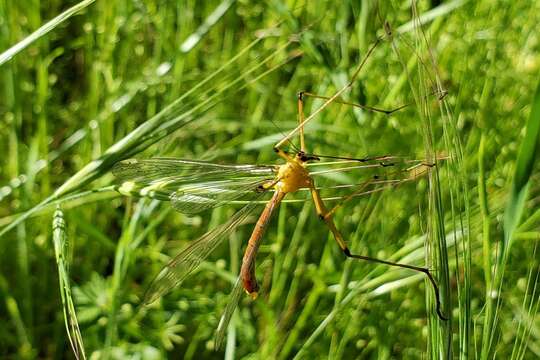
x: 193, y: 186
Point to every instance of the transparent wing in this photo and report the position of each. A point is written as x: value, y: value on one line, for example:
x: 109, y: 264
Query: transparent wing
x: 159, y: 169
x: 193, y: 255
x: 191, y: 186
x: 225, y: 319
x: 191, y: 199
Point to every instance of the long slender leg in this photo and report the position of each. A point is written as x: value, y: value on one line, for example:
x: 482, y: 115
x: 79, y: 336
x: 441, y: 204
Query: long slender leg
x: 282, y: 154
x: 415, y: 172
x: 327, y: 218
x: 365, y: 107
x: 301, y: 120
x: 331, y: 212
x: 303, y: 94
x: 332, y: 98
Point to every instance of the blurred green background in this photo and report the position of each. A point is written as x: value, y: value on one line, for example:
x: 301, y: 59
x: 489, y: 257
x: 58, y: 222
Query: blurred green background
x: 217, y: 80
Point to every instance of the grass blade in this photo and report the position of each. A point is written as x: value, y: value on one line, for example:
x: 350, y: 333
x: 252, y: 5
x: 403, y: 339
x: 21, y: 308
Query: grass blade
x: 522, y: 175
x: 218, y: 86
x: 60, y: 242
x: 43, y: 30
x: 515, y: 206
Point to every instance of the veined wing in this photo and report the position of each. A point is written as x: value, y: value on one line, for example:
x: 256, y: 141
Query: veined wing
x: 382, y: 167
x: 191, y: 186
x: 232, y: 303
x: 194, y: 198
x: 193, y: 255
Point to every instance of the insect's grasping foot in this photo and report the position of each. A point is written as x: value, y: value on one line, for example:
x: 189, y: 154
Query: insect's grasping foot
x: 326, y: 216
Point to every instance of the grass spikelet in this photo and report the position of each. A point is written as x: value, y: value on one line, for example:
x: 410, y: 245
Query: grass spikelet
x: 61, y: 251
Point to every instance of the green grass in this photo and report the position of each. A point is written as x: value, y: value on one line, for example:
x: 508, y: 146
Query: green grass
x: 217, y: 81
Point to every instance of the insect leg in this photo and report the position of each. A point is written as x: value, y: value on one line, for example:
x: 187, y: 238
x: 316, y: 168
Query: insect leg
x: 414, y: 172
x: 301, y: 119
x: 326, y: 216
x: 365, y: 107
x: 333, y: 97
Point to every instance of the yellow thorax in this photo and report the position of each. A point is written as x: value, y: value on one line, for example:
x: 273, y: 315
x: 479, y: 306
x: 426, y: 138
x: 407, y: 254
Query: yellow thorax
x: 293, y: 176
